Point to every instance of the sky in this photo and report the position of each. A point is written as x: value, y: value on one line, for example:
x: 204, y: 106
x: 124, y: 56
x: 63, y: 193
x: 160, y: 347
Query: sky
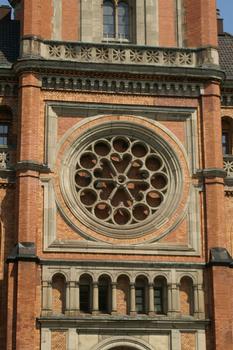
x: 225, y: 6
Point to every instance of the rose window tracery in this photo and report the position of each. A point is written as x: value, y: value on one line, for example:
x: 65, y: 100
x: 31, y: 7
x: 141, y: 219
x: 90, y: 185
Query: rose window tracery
x: 120, y: 180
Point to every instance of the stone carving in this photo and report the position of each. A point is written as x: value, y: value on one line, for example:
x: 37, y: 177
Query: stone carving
x: 4, y: 159
x: 121, y: 180
x: 127, y: 55
x: 228, y: 165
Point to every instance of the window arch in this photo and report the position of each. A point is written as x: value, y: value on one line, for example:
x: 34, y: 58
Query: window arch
x: 116, y: 20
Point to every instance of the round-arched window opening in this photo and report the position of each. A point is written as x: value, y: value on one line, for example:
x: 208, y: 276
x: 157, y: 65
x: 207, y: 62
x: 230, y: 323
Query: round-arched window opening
x: 123, y: 180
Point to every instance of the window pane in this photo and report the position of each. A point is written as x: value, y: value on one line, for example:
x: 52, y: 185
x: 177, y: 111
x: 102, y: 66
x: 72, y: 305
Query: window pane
x: 140, y: 307
x: 103, y: 298
x: 123, y: 20
x: 4, y: 129
x: 158, y: 300
x: 109, y: 19
x: 225, y: 143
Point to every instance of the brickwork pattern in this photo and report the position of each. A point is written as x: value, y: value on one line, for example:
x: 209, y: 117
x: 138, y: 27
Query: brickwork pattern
x: 186, y: 297
x: 58, y: 340
x: 123, y: 295
x: 188, y: 341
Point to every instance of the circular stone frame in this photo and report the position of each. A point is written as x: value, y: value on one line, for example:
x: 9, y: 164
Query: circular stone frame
x: 124, y: 128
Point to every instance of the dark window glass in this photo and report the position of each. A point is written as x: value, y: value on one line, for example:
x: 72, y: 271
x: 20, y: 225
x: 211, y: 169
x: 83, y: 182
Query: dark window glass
x: 103, y: 298
x: 140, y: 300
x: 225, y: 143
x: 109, y: 19
x: 123, y: 20
x: 84, y: 293
x: 4, y: 133
x: 158, y: 300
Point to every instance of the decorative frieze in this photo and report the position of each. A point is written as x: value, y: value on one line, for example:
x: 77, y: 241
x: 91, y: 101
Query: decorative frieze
x: 127, y: 54
x: 121, y: 86
x: 119, y: 54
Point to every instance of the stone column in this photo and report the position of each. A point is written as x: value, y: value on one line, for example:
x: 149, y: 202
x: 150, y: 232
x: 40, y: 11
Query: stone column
x: 132, y: 300
x: 95, y: 298
x: 46, y: 298
x: 173, y: 299
x: 201, y: 302
x: 67, y: 308
x: 195, y: 301
x: 114, y: 298
x: 74, y: 298
x: 151, y: 300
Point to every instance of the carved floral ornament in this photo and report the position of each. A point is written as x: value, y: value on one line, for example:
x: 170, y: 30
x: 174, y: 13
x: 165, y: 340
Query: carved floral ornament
x: 120, y: 179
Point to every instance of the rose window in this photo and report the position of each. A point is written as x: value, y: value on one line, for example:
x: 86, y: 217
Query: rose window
x: 121, y: 186
x: 120, y: 180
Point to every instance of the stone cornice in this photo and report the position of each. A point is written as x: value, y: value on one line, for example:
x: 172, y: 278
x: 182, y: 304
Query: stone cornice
x: 124, y: 323
x: 39, y: 66
x: 26, y: 165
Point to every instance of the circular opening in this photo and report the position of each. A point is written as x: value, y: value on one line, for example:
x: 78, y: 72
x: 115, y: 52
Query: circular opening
x: 88, y: 197
x: 82, y: 178
x: 121, y: 179
x: 139, y: 150
x: 153, y: 163
x: 102, y: 211
x: 141, y: 212
x: 120, y: 144
x: 121, y: 216
x: 159, y: 181
x: 102, y: 148
x: 154, y: 199
x: 88, y: 160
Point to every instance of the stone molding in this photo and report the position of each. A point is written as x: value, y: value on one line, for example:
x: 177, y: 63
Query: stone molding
x: 117, y: 341
x: 121, y: 86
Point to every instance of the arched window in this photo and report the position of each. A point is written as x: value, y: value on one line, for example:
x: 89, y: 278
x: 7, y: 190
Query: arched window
x: 123, y: 20
x: 227, y: 132
x: 104, y: 294
x: 116, y: 20
x: 141, y: 292
x: 160, y: 295
x: 58, y: 294
x: 123, y: 295
x: 109, y: 19
x: 186, y: 296
x: 85, y: 293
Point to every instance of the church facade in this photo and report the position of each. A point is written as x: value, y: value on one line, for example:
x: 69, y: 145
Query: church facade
x: 116, y: 176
